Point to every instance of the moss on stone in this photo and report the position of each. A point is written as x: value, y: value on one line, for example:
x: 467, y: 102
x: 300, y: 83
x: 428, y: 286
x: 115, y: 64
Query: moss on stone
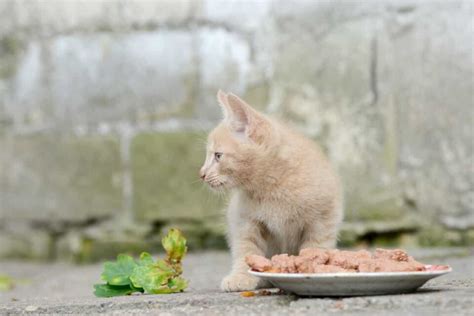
x: 10, y: 45
x: 166, y: 185
x: 258, y: 95
x: 383, y: 211
x: 99, y: 160
x: 366, y: 210
x: 405, y: 232
x: 390, y: 143
x: 432, y: 236
x: 10, y: 48
x: 106, y: 242
x: 96, y: 250
x: 379, y: 233
x: 34, y: 245
x: 347, y: 238
x: 67, y: 177
x: 201, y: 234
x: 386, y: 240
x: 468, y: 237
x: 408, y: 240
x: 438, y: 236
x: 184, y: 109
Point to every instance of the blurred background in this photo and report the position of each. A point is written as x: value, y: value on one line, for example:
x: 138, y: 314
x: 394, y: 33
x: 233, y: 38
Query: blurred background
x: 105, y: 106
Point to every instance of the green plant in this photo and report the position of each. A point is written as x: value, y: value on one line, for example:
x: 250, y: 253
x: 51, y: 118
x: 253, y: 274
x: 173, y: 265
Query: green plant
x: 145, y: 275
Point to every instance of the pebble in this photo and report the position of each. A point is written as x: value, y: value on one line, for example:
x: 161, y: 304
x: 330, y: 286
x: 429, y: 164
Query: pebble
x: 31, y: 308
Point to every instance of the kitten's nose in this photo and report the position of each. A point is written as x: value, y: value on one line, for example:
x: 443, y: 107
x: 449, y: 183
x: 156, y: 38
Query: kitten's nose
x: 202, y: 174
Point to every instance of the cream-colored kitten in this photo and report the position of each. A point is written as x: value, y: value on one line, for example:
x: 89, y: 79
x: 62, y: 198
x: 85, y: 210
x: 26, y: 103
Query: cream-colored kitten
x: 285, y: 195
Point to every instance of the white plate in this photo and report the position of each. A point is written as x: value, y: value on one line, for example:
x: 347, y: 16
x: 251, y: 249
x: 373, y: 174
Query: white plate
x: 350, y: 284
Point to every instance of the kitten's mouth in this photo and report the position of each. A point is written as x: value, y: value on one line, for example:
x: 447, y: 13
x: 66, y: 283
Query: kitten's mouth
x: 216, y: 185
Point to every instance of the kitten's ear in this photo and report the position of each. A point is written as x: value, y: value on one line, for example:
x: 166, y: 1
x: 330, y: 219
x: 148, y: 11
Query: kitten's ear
x: 240, y: 114
x: 244, y: 118
x: 234, y: 113
x: 241, y: 117
x: 222, y: 100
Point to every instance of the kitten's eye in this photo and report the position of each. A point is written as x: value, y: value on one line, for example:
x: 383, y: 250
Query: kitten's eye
x: 217, y: 156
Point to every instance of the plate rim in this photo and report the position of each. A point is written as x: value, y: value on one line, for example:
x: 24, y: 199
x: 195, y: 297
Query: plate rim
x: 352, y: 275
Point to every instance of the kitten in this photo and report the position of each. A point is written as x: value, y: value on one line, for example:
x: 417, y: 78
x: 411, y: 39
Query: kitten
x: 285, y: 195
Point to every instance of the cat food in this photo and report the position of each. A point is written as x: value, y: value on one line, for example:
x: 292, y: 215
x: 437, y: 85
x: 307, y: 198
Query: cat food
x: 315, y: 260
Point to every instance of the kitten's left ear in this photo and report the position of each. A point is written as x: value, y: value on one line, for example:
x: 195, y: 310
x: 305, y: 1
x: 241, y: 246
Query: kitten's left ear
x: 222, y: 99
x: 245, y: 119
x: 234, y: 112
x: 224, y: 103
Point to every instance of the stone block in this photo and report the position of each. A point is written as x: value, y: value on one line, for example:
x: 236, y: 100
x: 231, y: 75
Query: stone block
x: 325, y: 83
x: 82, y: 248
x: 137, y: 77
x: 53, y: 178
x: 107, y: 240
x: 380, y: 232
x: 240, y: 15
x: 57, y: 16
x: 209, y: 233
x: 426, y: 76
x: 224, y: 64
x: 469, y: 237
x: 166, y: 184
x: 21, y: 241
x: 385, y: 87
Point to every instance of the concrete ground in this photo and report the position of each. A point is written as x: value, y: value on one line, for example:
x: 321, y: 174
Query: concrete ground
x: 62, y: 288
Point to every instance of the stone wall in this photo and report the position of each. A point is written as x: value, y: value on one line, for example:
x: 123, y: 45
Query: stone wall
x: 104, y: 106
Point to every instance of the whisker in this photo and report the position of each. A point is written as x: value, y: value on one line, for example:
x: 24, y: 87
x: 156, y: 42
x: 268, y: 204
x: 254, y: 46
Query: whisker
x: 212, y: 178
x: 195, y: 181
x: 208, y: 196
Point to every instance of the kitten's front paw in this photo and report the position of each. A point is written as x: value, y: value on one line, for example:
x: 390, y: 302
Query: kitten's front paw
x: 239, y: 282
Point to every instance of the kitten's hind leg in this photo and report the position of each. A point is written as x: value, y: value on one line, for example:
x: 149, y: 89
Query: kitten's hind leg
x: 314, y: 238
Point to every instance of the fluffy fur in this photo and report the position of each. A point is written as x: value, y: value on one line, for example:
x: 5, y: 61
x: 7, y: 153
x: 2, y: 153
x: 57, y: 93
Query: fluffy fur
x: 285, y: 195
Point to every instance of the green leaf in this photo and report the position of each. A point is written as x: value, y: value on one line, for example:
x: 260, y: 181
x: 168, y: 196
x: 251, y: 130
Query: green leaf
x: 136, y: 289
x: 119, y: 272
x: 174, y: 285
x: 165, y: 267
x: 153, y: 276
x: 145, y: 259
x: 177, y: 284
x: 6, y: 283
x: 163, y: 290
x: 107, y: 290
x: 175, y: 245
